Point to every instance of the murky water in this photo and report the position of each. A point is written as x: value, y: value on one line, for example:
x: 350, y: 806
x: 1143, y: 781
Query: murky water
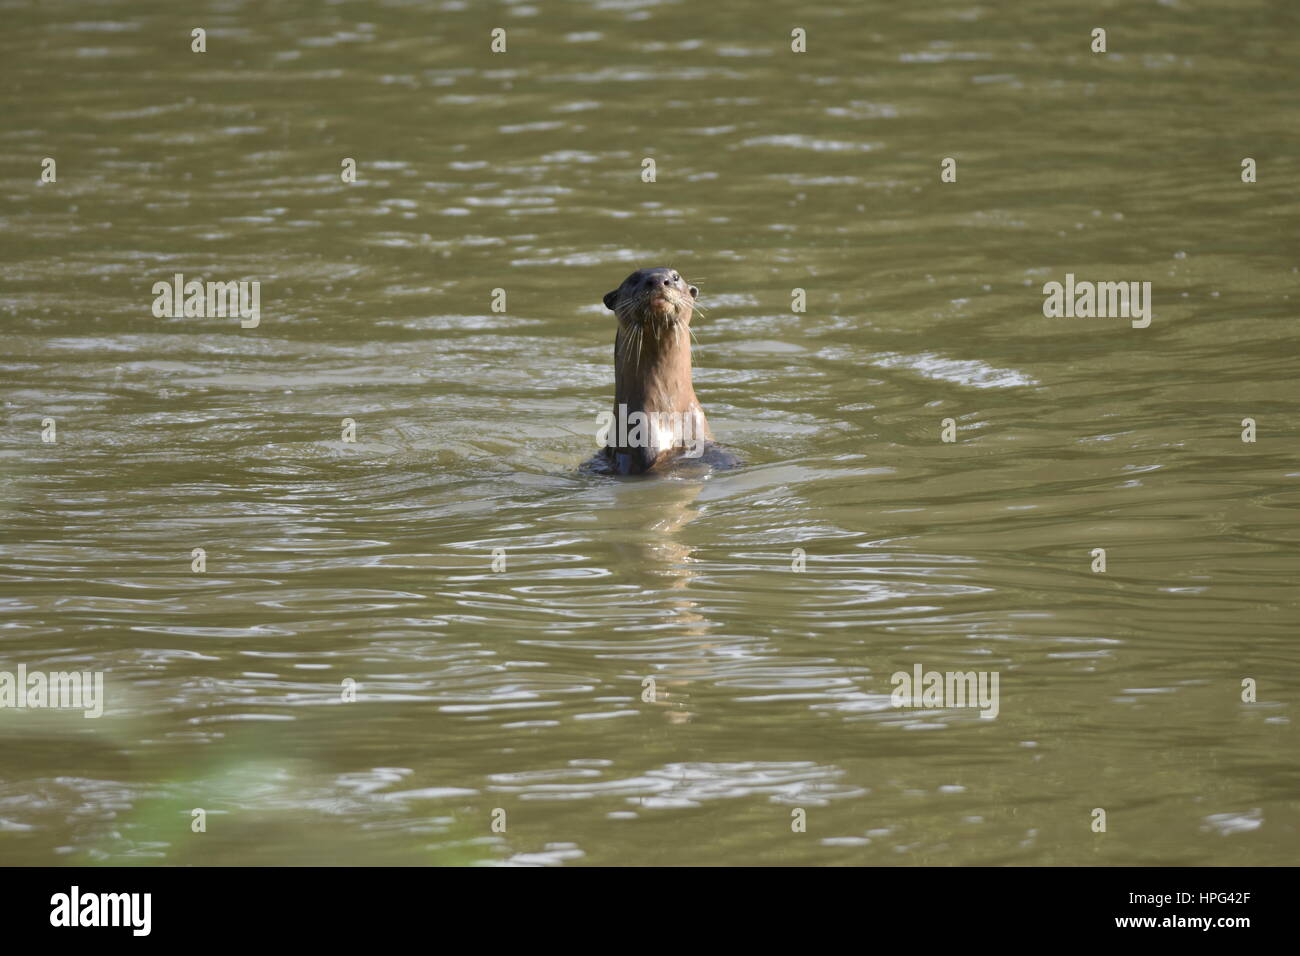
x: 521, y: 689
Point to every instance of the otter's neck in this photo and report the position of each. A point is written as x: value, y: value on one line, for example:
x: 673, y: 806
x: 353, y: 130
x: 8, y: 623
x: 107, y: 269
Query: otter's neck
x: 656, y: 377
x: 655, y: 380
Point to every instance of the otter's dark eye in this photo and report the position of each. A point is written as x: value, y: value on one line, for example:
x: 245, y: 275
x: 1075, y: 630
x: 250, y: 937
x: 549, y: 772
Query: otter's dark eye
x: 676, y: 277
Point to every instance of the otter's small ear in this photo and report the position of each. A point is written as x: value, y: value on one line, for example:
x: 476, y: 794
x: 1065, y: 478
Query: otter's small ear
x: 694, y: 292
x: 611, y: 298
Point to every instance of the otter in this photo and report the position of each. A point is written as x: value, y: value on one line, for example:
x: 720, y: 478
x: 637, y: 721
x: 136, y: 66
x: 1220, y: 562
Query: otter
x: 658, y: 423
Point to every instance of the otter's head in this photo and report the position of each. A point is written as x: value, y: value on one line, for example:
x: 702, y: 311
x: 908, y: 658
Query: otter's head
x: 653, y: 300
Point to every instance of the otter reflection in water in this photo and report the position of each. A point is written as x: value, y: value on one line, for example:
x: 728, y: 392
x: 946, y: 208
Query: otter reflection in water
x: 658, y: 425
